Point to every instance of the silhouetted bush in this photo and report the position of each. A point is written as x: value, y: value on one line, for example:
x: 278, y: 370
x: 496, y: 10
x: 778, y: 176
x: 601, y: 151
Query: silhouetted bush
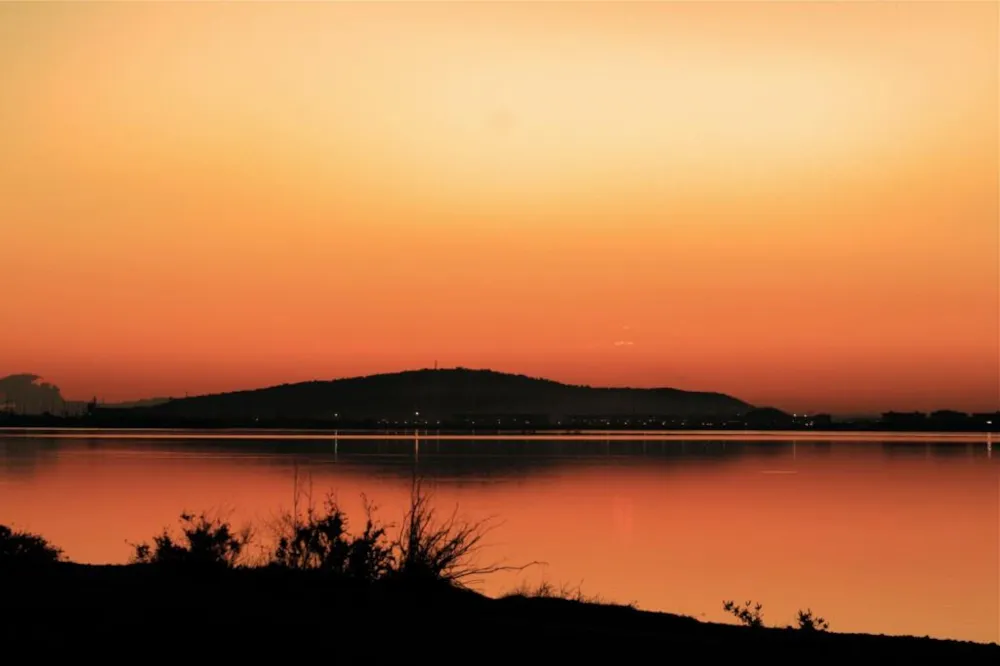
x: 751, y: 616
x: 321, y: 541
x: 809, y: 622
x: 430, y: 549
x: 426, y: 549
x: 203, y: 542
x: 370, y: 557
x: 25, y: 549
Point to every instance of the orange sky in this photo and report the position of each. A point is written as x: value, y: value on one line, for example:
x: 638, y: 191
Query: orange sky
x: 796, y: 203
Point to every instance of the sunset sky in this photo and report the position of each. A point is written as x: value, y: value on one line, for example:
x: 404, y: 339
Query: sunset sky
x: 794, y: 203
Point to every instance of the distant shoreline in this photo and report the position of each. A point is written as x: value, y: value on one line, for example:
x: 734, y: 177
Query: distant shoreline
x: 443, y: 433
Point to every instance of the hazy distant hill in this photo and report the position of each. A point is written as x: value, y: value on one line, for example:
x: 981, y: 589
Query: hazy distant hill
x: 147, y: 402
x: 444, y: 395
x: 26, y: 394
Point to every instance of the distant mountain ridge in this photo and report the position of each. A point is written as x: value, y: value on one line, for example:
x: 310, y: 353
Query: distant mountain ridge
x: 445, y: 395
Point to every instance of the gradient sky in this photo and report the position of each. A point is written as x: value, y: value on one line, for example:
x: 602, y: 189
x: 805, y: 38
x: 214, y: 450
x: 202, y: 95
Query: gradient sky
x: 795, y: 203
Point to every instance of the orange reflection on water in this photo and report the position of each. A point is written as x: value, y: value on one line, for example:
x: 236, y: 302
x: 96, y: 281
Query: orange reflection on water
x: 884, y: 539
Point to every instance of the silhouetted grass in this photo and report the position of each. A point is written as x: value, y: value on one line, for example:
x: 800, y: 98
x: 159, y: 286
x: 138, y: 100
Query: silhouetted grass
x: 749, y: 615
x: 565, y: 592
x: 752, y: 615
x: 809, y: 622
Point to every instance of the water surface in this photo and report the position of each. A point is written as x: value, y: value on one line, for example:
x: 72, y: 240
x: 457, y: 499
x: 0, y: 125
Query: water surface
x: 884, y: 533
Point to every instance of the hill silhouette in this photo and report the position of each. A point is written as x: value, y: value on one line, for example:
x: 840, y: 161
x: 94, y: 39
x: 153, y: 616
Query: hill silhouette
x: 446, y: 395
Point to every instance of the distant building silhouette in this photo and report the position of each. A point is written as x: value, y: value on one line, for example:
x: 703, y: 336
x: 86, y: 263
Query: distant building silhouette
x: 904, y: 420
x: 986, y: 421
x: 768, y: 418
x: 949, y: 420
x: 814, y: 421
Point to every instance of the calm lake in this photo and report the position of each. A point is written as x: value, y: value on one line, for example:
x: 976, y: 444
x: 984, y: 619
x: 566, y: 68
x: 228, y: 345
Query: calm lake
x: 881, y: 533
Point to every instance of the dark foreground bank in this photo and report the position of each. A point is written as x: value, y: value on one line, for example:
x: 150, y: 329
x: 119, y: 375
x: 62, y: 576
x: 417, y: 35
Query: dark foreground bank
x: 269, y: 612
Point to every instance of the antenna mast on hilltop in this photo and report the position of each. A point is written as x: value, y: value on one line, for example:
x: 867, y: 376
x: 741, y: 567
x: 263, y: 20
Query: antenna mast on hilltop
x: 437, y: 396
